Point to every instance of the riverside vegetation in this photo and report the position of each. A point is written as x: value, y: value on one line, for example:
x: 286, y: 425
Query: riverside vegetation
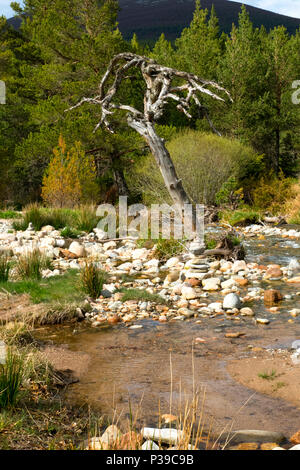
x: 111, y: 283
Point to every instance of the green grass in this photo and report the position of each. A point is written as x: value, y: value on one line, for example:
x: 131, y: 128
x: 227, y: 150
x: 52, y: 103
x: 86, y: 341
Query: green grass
x: 210, y: 242
x: 92, y: 280
x: 240, y: 216
x: 166, y: 249
x: 268, y: 376
x: 30, y: 265
x: 5, y: 266
x: 63, y: 288
x: 69, y: 232
x: 11, y: 376
x: 83, y: 219
x: 295, y: 219
x: 142, y: 295
x: 10, y: 215
x: 278, y: 386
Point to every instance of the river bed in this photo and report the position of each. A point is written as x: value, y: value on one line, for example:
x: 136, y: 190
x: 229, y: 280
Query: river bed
x: 159, y: 368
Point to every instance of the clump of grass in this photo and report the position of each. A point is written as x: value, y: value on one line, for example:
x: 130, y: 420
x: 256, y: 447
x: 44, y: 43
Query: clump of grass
x: 69, y: 232
x: 40, y: 216
x: 210, y: 242
x: 86, y: 218
x: 166, y: 249
x: 16, y: 334
x: 83, y: 218
x: 241, y: 216
x: 268, y: 376
x: 141, y: 294
x: 11, y: 376
x: 58, y: 313
x: 92, y: 279
x: 33, y: 214
x: 5, y: 266
x: 278, y: 386
x: 30, y: 265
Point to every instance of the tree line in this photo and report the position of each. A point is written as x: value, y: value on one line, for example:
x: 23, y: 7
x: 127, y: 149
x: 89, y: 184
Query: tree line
x: 60, y: 54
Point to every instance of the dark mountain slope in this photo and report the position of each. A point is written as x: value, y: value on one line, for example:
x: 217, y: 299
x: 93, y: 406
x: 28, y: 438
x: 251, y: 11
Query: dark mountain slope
x: 150, y: 18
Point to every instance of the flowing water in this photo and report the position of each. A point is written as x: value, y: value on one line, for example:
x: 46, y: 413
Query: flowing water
x: 158, y: 368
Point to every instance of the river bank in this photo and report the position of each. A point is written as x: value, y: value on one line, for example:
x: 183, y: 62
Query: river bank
x: 144, y: 353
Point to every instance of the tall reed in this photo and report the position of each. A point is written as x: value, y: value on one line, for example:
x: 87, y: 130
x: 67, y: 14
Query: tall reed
x: 11, y: 375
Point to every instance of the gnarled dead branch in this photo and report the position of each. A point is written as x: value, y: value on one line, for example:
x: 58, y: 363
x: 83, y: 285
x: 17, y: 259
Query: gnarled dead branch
x: 160, y: 89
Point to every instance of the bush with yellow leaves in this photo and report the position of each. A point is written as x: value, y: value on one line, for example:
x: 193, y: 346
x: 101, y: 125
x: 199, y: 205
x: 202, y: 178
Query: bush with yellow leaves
x: 70, y: 178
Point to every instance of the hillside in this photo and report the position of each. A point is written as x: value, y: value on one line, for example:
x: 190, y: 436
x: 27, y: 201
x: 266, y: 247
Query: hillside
x: 149, y: 18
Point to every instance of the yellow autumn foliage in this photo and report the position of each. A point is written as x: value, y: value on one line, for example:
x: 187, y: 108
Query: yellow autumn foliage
x: 70, y: 178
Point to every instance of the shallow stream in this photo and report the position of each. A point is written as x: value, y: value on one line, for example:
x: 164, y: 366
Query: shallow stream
x: 158, y: 368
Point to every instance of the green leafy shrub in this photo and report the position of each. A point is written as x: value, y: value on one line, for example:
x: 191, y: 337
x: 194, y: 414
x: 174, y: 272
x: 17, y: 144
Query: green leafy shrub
x: 230, y: 193
x: 92, y: 279
x: 204, y: 162
x: 11, y: 375
x: 31, y: 264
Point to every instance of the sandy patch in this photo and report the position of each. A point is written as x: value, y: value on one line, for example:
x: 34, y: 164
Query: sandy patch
x: 63, y: 359
x: 282, y: 377
x: 17, y: 306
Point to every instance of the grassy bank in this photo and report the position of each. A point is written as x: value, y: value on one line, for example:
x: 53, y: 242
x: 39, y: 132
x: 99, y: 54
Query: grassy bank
x: 64, y: 288
x: 35, y: 417
x: 73, y: 221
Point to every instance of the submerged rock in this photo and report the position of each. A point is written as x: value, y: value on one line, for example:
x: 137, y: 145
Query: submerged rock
x: 272, y: 296
x: 255, y: 436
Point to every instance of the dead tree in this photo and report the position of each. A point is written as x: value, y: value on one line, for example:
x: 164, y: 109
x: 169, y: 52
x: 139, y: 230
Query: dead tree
x: 160, y: 89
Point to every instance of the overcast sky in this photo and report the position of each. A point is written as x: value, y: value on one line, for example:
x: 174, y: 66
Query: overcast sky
x: 285, y: 7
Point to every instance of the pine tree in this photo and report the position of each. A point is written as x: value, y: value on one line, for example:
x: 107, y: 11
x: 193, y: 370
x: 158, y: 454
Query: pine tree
x: 163, y: 52
x: 243, y: 71
x: 77, y: 40
x: 198, y: 48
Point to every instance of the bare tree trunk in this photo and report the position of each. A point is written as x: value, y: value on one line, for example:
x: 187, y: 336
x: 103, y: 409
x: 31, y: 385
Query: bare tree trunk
x: 120, y: 182
x: 164, y: 162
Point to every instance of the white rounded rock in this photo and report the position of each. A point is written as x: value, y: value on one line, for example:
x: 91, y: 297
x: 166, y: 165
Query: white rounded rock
x: 232, y: 301
x: 77, y: 249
